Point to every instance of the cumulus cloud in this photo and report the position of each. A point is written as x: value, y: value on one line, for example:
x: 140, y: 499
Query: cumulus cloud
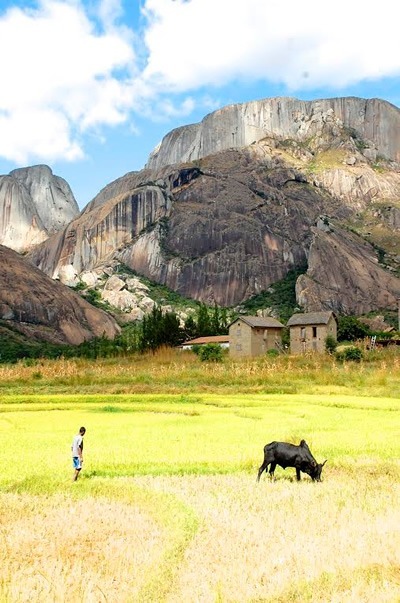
x: 314, y: 44
x: 60, y: 76
x: 70, y: 67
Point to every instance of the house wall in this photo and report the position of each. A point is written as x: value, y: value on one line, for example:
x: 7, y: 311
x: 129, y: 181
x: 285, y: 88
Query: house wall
x: 245, y: 341
x: 239, y: 339
x: 311, y: 338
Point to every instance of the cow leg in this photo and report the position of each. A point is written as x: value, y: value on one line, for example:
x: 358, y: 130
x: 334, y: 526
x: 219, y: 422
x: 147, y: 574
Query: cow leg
x: 298, y: 474
x: 272, y: 470
x: 261, y: 469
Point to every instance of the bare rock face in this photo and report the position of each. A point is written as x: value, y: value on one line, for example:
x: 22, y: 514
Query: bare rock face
x: 344, y: 275
x: 219, y: 232
x: 241, y: 125
x: 44, y: 309
x: 227, y: 225
x: 34, y: 203
x: 20, y: 224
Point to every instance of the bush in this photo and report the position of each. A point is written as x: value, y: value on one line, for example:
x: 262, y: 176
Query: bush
x: 352, y: 352
x: 272, y: 353
x: 211, y: 352
x: 330, y: 344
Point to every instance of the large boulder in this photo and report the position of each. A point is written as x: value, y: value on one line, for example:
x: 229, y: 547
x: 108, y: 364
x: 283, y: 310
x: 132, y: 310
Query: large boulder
x: 44, y: 309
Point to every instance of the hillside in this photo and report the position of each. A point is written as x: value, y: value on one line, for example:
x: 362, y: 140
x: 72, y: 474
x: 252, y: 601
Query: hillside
x: 40, y: 309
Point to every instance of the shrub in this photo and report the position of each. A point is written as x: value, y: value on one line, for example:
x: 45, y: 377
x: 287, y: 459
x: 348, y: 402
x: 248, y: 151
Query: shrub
x: 211, y: 352
x: 330, y: 344
x: 351, y: 352
x: 272, y: 353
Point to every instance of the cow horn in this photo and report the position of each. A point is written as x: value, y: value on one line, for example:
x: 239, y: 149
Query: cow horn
x: 323, y: 463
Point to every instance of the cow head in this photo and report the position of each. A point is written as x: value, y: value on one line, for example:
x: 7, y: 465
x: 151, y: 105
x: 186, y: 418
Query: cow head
x: 316, y: 471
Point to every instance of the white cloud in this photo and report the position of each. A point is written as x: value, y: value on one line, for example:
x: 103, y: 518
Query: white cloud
x: 210, y: 42
x: 69, y: 68
x: 58, y: 78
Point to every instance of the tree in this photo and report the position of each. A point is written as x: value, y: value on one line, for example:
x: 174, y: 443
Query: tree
x: 190, y: 329
x: 350, y: 329
x: 160, y: 329
x: 203, y: 322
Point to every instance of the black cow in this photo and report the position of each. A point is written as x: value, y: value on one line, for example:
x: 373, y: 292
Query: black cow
x: 289, y: 455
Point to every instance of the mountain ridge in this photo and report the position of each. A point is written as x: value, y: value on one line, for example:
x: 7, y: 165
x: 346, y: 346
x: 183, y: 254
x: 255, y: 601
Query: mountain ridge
x: 228, y: 225
x: 240, y: 125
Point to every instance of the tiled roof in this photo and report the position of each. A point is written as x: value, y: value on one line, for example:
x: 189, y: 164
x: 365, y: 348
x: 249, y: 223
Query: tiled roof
x: 266, y: 322
x: 310, y: 318
x: 209, y: 339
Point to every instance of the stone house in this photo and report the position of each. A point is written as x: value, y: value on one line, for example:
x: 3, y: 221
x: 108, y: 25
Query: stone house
x: 254, y: 335
x: 309, y: 331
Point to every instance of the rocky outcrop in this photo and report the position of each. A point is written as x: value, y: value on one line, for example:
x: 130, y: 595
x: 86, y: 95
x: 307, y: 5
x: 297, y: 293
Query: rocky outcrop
x: 103, y: 229
x: 344, y: 275
x: 238, y: 126
x: 230, y: 224
x: 43, y: 309
x: 34, y: 203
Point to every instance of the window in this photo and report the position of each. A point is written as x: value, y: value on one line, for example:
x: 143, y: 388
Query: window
x: 303, y: 333
x: 314, y: 332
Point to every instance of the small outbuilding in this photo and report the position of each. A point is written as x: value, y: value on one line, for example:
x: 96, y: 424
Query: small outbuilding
x: 308, y: 331
x: 254, y: 335
x: 221, y: 340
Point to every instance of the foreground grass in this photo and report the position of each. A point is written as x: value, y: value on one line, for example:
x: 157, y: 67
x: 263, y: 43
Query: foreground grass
x: 205, y: 538
x: 168, y: 508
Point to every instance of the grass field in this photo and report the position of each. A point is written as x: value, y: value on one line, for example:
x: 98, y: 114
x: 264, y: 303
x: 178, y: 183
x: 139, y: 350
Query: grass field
x: 168, y: 508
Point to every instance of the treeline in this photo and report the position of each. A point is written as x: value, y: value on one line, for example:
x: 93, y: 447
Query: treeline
x: 158, y: 329
x: 155, y: 330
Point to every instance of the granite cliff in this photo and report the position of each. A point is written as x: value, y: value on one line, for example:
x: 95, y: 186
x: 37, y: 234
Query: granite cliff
x: 34, y: 203
x: 236, y: 126
x: 226, y: 207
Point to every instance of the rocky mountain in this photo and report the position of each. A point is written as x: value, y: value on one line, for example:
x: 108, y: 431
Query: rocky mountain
x: 227, y: 207
x: 34, y: 203
x: 373, y: 121
x: 44, y: 310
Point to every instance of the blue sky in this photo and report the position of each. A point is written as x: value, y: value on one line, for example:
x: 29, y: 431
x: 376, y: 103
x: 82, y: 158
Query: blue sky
x: 89, y: 87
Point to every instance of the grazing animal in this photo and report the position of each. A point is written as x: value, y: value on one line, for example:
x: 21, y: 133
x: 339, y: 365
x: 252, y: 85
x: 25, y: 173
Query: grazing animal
x: 289, y: 455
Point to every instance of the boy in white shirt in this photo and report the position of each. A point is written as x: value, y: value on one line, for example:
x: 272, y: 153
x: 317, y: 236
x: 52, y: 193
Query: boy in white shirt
x: 77, y: 451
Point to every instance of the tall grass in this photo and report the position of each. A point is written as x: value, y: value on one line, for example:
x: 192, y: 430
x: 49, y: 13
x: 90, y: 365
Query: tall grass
x: 171, y: 371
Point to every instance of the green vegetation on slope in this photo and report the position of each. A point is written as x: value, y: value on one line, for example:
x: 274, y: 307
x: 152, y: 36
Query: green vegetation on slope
x: 280, y: 297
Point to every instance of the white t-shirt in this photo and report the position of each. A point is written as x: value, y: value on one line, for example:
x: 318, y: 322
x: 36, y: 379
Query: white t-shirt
x: 76, y: 444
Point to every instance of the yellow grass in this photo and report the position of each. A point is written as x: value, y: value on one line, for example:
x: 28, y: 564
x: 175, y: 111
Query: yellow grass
x: 338, y: 541
x: 63, y: 550
x: 127, y: 532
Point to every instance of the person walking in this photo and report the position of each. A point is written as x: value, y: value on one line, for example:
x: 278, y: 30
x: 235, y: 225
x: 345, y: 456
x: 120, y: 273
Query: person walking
x: 77, y: 452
